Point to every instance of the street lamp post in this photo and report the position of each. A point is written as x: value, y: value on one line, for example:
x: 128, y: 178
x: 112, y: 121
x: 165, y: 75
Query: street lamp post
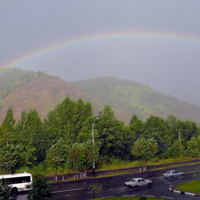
x: 93, y: 143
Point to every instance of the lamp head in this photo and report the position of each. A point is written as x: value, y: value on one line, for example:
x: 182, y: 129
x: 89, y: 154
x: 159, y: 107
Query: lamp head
x: 96, y: 120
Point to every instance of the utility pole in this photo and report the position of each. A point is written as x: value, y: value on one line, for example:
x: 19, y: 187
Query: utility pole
x: 94, y: 142
x: 179, y: 136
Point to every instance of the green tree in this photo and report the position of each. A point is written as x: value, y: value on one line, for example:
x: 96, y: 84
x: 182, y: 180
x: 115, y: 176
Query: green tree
x: 143, y: 198
x: 9, y: 157
x: 185, y: 130
x: 96, y: 188
x: 171, y: 120
x: 28, y: 132
x: 144, y: 150
x: 7, y: 126
x: 9, y: 121
x: 5, y: 190
x: 138, y: 148
x: 57, y: 156
x: 175, y: 151
x: 28, y: 156
x: 67, y: 120
x: 41, y: 190
x: 109, y: 133
x: 156, y: 128
x: 122, y: 143
x: 193, y: 146
x: 136, y: 126
x: 151, y: 149
x: 82, y: 155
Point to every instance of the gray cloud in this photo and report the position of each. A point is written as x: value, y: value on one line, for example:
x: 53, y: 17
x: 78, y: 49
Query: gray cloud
x: 168, y: 66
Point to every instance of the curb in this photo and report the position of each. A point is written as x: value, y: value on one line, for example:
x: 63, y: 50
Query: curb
x: 95, y: 178
x: 150, y: 167
x: 98, y: 178
x: 182, y: 192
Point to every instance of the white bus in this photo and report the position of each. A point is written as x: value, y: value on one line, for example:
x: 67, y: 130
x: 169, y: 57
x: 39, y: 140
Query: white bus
x: 18, y: 182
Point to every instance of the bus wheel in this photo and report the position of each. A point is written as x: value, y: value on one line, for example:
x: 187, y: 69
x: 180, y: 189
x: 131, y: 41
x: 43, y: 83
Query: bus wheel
x: 14, y: 191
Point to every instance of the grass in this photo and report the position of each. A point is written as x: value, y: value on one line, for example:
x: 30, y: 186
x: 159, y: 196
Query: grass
x: 155, y: 161
x: 111, y: 174
x: 128, y: 198
x: 193, y: 186
x: 47, y: 172
x: 117, y: 165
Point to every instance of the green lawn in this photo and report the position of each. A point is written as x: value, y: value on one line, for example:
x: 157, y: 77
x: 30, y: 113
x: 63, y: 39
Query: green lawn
x: 193, y: 186
x: 128, y: 198
x: 121, y: 165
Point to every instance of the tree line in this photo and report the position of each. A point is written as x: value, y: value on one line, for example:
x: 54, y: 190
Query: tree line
x: 15, y: 78
x: 64, y: 138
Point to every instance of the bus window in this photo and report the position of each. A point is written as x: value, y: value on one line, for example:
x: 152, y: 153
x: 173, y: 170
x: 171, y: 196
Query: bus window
x: 25, y: 179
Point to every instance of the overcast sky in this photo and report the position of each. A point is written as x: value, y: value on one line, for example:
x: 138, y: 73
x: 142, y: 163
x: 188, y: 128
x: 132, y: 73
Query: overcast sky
x: 165, y: 57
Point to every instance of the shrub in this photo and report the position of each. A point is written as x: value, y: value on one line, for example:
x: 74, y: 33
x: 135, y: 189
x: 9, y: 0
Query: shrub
x: 143, y: 198
x: 41, y: 189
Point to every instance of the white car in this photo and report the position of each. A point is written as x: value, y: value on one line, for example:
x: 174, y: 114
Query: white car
x: 173, y: 173
x: 138, y: 182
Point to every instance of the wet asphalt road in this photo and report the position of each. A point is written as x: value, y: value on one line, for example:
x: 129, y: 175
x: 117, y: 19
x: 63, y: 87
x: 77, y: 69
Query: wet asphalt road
x: 114, y: 186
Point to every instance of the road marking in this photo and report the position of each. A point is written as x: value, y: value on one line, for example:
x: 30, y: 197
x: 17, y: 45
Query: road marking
x: 68, y: 190
x: 166, y: 197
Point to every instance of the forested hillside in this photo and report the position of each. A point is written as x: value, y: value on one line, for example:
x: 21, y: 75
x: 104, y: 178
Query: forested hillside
x: 43, y: 94
x: 26, y: 90
x: 13, y: 79
x: 133, y: 98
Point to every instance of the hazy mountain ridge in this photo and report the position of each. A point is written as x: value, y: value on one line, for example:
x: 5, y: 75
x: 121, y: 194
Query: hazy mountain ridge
x: 43, y: 94
x: 133, y: 98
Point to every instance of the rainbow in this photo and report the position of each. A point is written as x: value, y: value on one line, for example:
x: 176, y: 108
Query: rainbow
x: 132, y: 35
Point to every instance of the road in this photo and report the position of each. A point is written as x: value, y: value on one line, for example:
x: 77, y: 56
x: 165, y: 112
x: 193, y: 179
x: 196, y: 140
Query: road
x: 114, y: 186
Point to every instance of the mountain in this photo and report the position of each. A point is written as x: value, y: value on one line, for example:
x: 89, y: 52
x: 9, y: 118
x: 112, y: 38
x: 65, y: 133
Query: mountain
x: 130, y: 98
x: 14, y: 78
x: 26, y: 90
x: 43, y: 94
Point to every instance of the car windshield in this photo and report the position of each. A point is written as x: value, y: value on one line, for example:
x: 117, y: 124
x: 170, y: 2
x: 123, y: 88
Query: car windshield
x: 132, y: 180
x: 168, y: 172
